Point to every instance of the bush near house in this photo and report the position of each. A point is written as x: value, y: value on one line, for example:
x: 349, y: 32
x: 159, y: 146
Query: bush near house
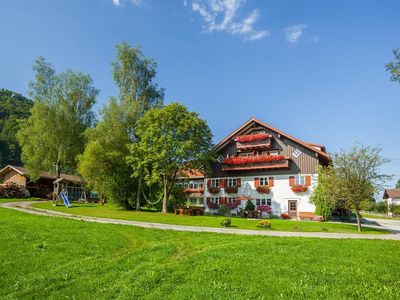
x: 285, y: 216
x: 226, y: 222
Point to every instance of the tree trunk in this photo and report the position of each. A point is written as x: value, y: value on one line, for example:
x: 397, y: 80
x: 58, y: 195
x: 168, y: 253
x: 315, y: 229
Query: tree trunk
x: 139, y: 189
x: 165, y: 198
x: 358, y: 220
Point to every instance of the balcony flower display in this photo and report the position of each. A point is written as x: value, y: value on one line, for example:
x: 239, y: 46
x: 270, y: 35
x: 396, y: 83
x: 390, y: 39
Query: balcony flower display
x: 212, y: 205
x: 231, y: 189
x: 241, y: 160
x: 232, y: 205
x: 263, y: 189
x: 299, y: 188
x: 264, y: 208
x: 214, y: 190
x: 252, y: 137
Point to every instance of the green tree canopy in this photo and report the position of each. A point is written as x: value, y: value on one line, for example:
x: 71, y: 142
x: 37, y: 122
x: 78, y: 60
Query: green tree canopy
x: 398, y: 184
x: 61, y: 112
x: 13, y: 109
x: 394, y: 66
x: 170, y: 139
x: 104, y: 161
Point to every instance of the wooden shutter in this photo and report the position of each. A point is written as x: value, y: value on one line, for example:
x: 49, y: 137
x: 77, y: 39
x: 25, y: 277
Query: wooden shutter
x: 208, y: 183
x: 271, y: 181
x: 222, y: 200
x: 308, y: 180
x: 238, y: 182
x: 291, y: 180
x: 256, y: 182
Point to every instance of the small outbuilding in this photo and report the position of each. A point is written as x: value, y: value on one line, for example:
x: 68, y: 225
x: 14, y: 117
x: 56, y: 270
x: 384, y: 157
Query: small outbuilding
x: 392, y: 196
x: 42, y: 187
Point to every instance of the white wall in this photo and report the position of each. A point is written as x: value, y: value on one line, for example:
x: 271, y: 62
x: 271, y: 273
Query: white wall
x: 280, y: 193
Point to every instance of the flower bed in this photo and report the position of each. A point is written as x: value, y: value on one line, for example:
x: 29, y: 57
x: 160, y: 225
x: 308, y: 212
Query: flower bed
x: 231, y: 189
x: 240, y: 160
x: 299, y: 188
x: 252, y: 137
x: 212, y: 205
x: 264, y: 208
x: 214, y: 190
x: 263, y: 189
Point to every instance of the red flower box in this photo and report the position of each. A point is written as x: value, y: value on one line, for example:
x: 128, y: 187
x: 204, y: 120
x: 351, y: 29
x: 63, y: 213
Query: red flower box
x: 252, y: 137
x: 212, y: 205
x: 241, y: 160
x: 214, y: 190
x: 299, y: 188
x: 263, y: 189
x: 232, y: 205
x: 231, y: 189
x: 264, y: 208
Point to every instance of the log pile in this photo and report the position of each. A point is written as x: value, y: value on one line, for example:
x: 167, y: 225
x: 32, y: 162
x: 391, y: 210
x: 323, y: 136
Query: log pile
x: 13, y: 190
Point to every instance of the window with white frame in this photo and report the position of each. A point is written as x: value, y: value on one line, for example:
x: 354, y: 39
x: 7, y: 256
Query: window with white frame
x: 214, y: 182
x: 231, y: 182
x: 300, y: 180
x: 296, y: 153
x: 263, y: 202
x: 231, y: 200
x: 263, y: 181
x: 214, y: 200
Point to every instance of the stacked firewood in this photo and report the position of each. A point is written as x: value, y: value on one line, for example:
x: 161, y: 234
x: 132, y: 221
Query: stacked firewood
x: 13, y: 190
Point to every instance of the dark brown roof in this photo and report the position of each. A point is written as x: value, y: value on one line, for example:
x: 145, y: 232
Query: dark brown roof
x: 309, y: 146
x: 45, y: 175
x: 391, y: 193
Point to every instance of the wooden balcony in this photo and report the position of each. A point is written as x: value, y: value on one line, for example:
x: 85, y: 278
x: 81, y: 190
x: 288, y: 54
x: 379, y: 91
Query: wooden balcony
x: 282, y: 163
x: 192, y: 190
x: 256, y: 145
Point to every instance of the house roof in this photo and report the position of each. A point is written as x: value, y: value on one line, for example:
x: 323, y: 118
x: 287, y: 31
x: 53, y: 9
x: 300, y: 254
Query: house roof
x: 45, y: 175
x: 191, y: 174
x: 318, y: 149
x: 391, y: 193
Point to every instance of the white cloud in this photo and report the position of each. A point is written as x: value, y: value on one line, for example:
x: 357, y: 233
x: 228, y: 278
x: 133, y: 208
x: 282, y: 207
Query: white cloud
x: 135, y: 2
x: 294, y: 33
x: 222, y: 15
x: 116, y: 2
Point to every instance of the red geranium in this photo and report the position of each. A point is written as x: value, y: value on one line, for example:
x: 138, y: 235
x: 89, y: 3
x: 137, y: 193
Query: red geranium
x: 264, y: 208
x: 232, y: 205
x: 252, y: 137
x: 240, y: 160
x: 212, y: 205
x: 214, y: 190
x: 231, y: 189
x: 263, y: 189
x: 299, y: 188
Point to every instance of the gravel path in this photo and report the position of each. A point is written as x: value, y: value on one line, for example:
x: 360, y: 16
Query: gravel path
x: 25, y: 206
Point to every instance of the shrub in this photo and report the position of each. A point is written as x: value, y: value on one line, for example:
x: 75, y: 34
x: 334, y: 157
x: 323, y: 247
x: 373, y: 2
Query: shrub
x: 226, y: 222
x: 395, y: 209
x: 285, y: 216
x: 318, y: 218
x: 271, y: 216
x: 264, y: 224
x: 249, y: 206
x: 223, y: 210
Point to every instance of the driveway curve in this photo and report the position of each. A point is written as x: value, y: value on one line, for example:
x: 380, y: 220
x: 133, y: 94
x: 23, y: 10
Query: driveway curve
x: 25, y: 206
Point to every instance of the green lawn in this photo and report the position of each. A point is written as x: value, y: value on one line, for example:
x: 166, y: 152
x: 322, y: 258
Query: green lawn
x: 44, y: 257
x: 379, y: 217
x: 110, y: 211
x: 5, y: 200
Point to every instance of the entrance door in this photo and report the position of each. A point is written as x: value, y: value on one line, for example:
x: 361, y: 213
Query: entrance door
x: 292, y: 208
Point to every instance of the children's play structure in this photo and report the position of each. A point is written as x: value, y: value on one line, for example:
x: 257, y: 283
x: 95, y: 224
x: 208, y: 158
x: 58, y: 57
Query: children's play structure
x: 62, y: 190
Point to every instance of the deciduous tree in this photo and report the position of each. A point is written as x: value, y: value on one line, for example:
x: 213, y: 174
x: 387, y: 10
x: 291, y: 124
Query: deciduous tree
x: 170, y: 139
x: 394, y: 66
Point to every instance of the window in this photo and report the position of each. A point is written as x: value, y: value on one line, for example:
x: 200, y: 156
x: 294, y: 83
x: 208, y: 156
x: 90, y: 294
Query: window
x: 180, y: 184
x: 271, y: 152
x: 214, y: 200
x: 296, y: 153
x: 201, y: 185
x: 214, y: 182
x: 246, y: 154
x: 269, y: 202
x: 263, y: 202
x: 186, y: 185
x: 231, y: 200
x: 231, y: 182
x: 263, y: 180
x: 220, y: 159
x: 300, y: 180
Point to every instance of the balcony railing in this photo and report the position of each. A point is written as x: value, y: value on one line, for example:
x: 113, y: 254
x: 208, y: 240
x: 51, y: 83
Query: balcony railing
x: 194, y: 190
x: 260, y: 162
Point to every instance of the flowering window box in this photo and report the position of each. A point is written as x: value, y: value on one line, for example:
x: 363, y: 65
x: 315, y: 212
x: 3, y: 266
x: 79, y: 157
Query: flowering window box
x: 253, y: 141
x: 252, y: 137
x: 214, y: 190
x: 255, y: 162
x: 264, y: 208
x: 263, y: 189
x: 232, y: 205
x: 231, y: 189
x: 299, y: 188
x: 212, y: 205
x: 198, y: 190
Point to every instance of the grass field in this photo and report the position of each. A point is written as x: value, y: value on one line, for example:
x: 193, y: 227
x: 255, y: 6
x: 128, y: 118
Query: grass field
x: 5, y: 200
x: 364, y: 215
x: 110, y: 211
x: 43, y: 257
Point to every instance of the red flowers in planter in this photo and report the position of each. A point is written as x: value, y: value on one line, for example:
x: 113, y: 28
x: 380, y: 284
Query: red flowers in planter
x: 232, y: 205
x: 212, y: 205
x: 214, y: 190
x: 299, y: 188
x: 263, y: 189
x: 285, y: 216
x: 264, y: 208
x: 231, y: 189
x: 252, y: 137
x: 240, y: 160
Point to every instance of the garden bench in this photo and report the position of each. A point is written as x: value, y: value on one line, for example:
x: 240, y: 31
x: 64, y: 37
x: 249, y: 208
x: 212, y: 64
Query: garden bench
x: 306, y: 215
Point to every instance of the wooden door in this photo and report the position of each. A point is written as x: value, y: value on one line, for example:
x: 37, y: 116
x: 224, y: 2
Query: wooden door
x: 292, y: 208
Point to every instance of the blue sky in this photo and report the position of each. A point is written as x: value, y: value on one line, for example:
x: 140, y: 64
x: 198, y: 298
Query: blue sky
x: 314, y: 69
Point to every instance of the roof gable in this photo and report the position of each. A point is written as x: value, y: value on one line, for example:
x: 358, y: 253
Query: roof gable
x: 391, y: 193
x: 318, y: 149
